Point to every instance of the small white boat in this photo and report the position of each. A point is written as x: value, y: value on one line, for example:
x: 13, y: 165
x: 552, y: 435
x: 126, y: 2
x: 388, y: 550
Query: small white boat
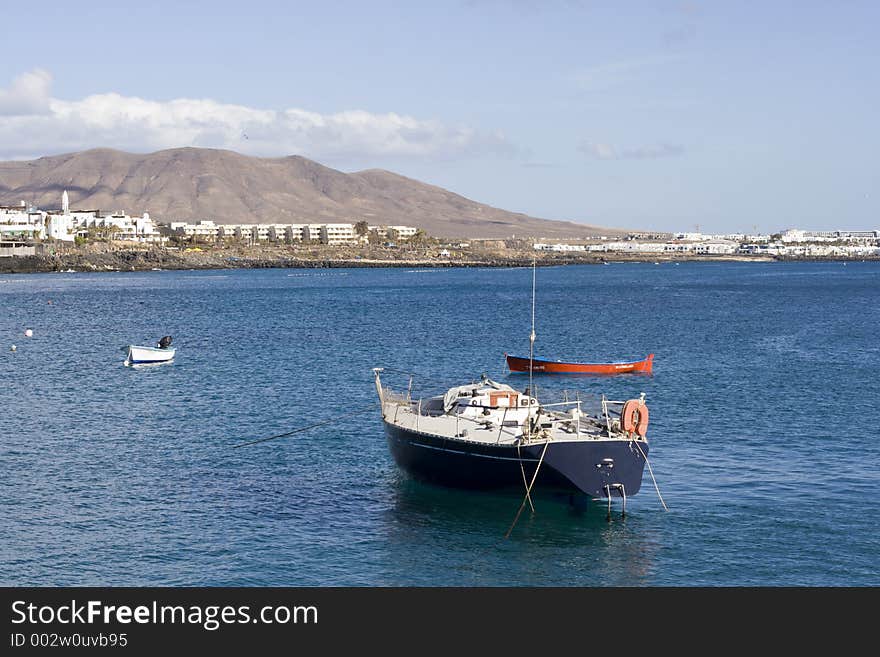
x: 163, y: 352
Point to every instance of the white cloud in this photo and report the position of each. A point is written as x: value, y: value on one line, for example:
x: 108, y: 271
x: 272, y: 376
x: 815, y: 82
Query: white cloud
x: 32, y: 123
x: 27, y: 95
x: 602, y: 151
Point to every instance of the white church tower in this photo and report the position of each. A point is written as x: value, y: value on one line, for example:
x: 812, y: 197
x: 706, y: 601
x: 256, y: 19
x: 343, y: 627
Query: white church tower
x: 65, y: 203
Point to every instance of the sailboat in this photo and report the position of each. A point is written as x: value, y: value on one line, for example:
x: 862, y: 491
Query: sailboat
x: 488, y: 435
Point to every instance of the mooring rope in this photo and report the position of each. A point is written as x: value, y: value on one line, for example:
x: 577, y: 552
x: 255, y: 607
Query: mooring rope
x: 525, y: 483
x: 528, y: 490
x: 651, y: 470
x: 371, y: 407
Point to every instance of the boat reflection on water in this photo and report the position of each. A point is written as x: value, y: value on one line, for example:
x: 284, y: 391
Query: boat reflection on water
x: 617, y: 553
x: 148, y: 366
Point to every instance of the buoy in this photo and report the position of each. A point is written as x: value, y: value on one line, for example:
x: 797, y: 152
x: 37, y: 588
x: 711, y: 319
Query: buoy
x: 12, y: 348
x: 634, y: 417
x: 28, y: 333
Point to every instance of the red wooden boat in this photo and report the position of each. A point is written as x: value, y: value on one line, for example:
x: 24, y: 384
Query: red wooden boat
x: 520, y: 364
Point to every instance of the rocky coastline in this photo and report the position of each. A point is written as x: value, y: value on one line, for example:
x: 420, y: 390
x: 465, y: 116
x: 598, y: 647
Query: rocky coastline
x: 117, y: 258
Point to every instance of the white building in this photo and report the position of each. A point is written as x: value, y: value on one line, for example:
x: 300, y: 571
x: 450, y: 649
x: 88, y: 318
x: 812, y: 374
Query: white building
x: 243, y: 232
x: 61, y: 227
x: 286, y: 232
x: 698, y: 248
x: 118, y: 225
x: 692, y: 237
x: 205, y: 229
x: 338, y: 234
x: 796, y: 236
x: 716, y: 248
x: 559, y: 247
x: 630, y: 247
x: 403, y: 232
x: 323, y: 233
x: 22, y: 222
x: 330, y: 234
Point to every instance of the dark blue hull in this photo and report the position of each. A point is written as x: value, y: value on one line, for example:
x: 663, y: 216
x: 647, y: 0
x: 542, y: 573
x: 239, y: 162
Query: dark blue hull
x: 583, y: 466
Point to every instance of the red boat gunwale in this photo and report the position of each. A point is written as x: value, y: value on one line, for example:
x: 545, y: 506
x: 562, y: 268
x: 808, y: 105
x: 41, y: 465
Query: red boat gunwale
x: 520, y: 364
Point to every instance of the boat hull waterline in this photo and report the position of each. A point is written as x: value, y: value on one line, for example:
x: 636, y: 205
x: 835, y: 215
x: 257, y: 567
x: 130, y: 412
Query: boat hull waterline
x: 148, y: 355
x: 521, y: 364
x: 594, y: 468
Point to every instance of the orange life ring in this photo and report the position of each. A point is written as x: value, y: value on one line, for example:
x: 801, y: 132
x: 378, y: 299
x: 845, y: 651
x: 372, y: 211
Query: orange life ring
x: 634, y: 417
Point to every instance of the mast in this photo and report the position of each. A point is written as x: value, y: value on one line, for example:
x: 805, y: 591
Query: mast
x: 532, y: 346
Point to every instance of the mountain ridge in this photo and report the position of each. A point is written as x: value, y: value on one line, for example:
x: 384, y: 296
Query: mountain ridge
x: 189, y: 184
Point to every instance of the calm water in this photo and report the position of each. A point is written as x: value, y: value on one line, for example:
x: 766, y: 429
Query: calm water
x: 764, y: 417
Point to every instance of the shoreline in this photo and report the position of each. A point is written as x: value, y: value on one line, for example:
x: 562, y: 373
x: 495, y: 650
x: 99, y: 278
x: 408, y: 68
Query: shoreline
x: 121, y: 259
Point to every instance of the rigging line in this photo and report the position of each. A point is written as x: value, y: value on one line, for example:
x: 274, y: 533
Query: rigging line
x: 528, y: 490
x: 424, y: 381
x: 651, y: 470
x: 421, y: 379
x: 418, y: 376
x: 371, y: 407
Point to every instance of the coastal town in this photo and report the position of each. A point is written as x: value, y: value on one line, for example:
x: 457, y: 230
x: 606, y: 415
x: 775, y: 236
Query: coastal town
x: 27, y: 231
x: 787, y: 243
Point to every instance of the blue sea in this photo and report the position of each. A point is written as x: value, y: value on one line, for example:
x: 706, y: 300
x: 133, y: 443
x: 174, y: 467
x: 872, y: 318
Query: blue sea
x: 764, y: 403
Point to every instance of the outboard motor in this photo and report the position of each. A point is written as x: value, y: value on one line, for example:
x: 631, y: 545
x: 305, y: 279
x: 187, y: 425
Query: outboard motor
x: 165, y: 342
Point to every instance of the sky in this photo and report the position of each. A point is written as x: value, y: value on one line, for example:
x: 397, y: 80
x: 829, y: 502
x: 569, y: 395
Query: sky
x: 667, y: 116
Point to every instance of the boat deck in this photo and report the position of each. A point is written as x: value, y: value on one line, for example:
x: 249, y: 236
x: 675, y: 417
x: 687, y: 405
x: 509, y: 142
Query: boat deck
x: 406, y: 416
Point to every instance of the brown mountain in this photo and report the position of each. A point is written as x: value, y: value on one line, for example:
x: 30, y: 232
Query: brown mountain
x: 188, y: 184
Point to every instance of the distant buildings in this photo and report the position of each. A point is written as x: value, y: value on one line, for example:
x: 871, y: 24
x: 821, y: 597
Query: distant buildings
x: 800, y: 236
x: 811, y: 250
x: 403, y: 232
x: 559, y: 247
x: 331, y: 234
x: 22, y: 222
x: 713, y: 248
x: 21, y: 226
x: 789, y: 243
x: 728, y: 237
